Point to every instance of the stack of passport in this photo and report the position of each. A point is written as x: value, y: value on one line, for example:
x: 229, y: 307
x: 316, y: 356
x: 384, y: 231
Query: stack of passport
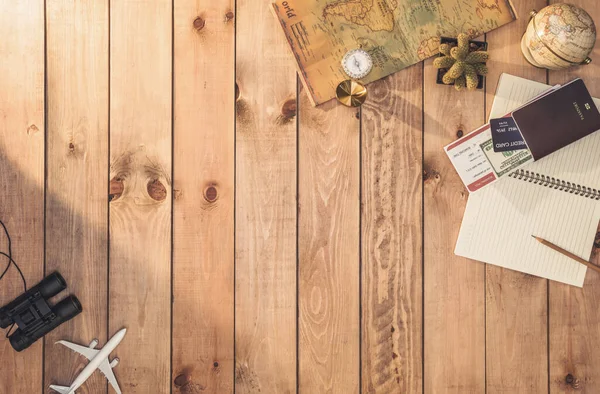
x: 552, y: 120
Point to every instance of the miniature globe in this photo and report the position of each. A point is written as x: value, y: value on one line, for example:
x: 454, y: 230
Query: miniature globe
x: 558, y: 37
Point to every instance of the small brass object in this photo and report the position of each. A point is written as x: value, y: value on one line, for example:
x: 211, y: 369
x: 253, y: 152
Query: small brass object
x: 351, y: 93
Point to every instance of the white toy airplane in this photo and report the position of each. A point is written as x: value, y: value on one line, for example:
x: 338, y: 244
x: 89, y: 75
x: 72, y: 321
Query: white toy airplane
x: 98, y: 359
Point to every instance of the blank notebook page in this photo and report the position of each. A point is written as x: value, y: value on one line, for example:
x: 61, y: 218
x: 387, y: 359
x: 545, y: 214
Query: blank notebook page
x: 500, y: 219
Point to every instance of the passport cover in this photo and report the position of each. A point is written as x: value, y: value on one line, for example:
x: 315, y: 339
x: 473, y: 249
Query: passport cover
x: 558, y: 119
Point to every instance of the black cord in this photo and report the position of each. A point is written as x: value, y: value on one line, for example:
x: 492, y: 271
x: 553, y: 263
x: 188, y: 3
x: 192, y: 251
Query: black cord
x: 9, y: 332
x: 7, y: 237
x: 11, y: 261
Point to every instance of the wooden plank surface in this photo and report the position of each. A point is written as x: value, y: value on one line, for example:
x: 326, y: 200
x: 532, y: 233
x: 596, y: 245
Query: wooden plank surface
x: 392, y: 227
x: 574, y: 316
x: 140, y: 209
x: 454, y: 294
x: 516, y: 303
x: 265, y: 294
x: 77, y: 178
x: 22, y: 172
x: 328, y: 248
x: 203, y: 287
x: 309, y: 254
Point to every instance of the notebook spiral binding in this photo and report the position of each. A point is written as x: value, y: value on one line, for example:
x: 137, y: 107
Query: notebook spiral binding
x: 554, y: 183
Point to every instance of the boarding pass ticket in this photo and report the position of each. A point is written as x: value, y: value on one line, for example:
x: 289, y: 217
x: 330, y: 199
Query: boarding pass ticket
x: 477, y: 163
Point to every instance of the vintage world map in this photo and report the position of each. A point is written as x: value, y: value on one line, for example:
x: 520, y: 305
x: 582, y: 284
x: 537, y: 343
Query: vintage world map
x: 396, y: 33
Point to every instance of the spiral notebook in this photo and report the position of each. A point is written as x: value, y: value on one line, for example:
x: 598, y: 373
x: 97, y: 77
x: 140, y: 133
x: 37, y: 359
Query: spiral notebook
x: 556, y: 198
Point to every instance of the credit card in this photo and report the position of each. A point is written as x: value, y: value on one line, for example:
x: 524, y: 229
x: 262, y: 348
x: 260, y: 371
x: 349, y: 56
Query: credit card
x: 506, y: 135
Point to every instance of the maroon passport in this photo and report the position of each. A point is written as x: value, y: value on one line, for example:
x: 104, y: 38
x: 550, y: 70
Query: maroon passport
x: 558, y: 119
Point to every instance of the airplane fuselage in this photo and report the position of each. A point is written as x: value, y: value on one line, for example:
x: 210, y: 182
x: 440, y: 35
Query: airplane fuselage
x: 97, y: 360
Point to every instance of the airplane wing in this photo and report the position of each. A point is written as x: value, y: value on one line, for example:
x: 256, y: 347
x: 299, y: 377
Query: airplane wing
x: 85, y: 351
x: 106, y: 370
x: 60, y: 389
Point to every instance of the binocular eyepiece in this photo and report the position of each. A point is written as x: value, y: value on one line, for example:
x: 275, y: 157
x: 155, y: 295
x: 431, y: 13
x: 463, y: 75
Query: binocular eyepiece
x: 34, y: 316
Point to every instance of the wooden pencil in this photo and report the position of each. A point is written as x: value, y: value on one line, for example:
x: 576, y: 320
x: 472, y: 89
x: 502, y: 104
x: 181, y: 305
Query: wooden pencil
x: 567, y: 253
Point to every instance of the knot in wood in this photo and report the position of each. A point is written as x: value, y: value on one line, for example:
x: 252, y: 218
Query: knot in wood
x: 210, y: 195
x: 116, y: 189
x: 429, y: 174
x: 229, y: 16
x: 156, y: 190
x: 199, y: 23
x: 216, y: 364
x: 32, y: 129
x: 569, y: 379
x: 289, y: 109
x: 459, y: 133
x: 177, y: 194
x: 182, y: 380
x: 237, y: 92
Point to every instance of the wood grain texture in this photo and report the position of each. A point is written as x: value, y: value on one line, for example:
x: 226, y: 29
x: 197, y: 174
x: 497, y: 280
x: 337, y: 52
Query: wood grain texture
x: 140, y: 217
x: 203, y: 287
x: 574, y: 316
x: 328, y: 248
x: 77, y: 178
x: 265, y: 204
x: 392, y: 234
x: 454, y: 294
x: 264, y: 200
x: 516, y: 303
x: 22, y: 173
x: 574, y: 332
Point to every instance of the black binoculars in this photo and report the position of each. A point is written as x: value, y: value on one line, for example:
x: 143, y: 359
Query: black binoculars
x: 33, y: 315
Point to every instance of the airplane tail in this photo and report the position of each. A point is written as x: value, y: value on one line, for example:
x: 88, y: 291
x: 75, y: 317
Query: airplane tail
x: 60, y: 389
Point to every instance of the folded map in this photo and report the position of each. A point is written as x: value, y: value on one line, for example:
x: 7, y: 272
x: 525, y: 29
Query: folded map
x: 396, y: 33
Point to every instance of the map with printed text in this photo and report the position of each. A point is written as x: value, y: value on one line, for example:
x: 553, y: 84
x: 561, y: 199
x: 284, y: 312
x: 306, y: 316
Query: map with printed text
x: 396, y: 33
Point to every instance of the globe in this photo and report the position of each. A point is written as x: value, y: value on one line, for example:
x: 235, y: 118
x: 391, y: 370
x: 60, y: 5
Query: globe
x: 558, y: 37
